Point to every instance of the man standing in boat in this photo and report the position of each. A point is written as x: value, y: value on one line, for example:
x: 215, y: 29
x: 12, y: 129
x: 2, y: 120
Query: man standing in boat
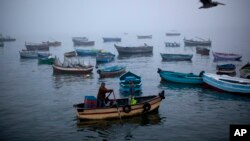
x: 101, y: 96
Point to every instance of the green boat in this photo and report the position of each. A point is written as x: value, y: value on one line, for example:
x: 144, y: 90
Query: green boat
x: 46, y: 60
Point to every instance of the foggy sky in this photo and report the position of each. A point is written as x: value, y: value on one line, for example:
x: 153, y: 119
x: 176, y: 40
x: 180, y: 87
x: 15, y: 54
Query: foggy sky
x: 75, y: 16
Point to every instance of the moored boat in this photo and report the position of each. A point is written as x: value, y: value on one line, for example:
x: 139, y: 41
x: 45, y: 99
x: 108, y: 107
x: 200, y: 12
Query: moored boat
x: 191, y: 42
x: 53, y: 43
x: 226, y: 56
x: 173, y: 34
x: 46, y: 60
x: 227, y: 83
x: 59, y: 68
x: 70, y: 54
x: 144, y: 36
x: 227, y: 69
x: 176, y: 57
x: 125, y: 81
x: 82, y: 41
x: 172, y: 44
x: 37, y: 46
x: 104, y: 57
x: 177, y: 77
x: 111, y: 39
x: 6, y: 39
x: 28, y: 54
x: 134, y: 50
x: 245, y: 71
x: 87, y: 52
x: 1, y: 44
x: 111, y: 71
x: 202, y: 51
x: 119, y: 108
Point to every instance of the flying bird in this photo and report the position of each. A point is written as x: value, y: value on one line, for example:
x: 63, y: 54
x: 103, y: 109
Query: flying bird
x: 209, y: 3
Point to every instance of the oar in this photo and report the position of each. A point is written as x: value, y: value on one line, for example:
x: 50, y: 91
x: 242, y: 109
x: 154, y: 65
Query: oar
x: 117, y: 107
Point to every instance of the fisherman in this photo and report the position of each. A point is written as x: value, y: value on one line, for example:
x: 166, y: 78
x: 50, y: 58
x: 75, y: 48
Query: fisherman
x: 101, y: 96
x: 131, y: 100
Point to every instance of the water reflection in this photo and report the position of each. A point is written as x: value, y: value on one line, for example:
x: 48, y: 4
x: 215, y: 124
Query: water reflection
x: 134, y: 55
x: 67, y: 79
x: 118, y: 129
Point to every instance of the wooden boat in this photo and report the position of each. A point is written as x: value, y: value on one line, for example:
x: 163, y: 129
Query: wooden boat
x: 104, y: 57
x: 6, y: 39
x: 111, y: 71
x: 177, y: 77
x: 176, y: 57
x: 226, y: 56
x: 191, y: 42
x: 46, y: 60
x: 70, y: 54
x: 89, y: 52
x: 58, y: 67
x: 227, y: 83
x: 172, y: 44
x: 202, y: 51
x: 28, y: 54
x: 245, y: 71
x: 227, y: 69
x: 173, y: 34
x: 37, y: 46
x: 76, y: 39
x: 125, y: 80
x: 144, y: 36
x: 134, y: 50
x: 111, y: 39
x: 119, y: 108
x: 82, y: 41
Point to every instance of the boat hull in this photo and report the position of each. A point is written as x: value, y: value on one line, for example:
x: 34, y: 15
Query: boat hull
x: 226, y: 56
x: 105, y: 74
x: 176, y: 57
x: 112, y: 39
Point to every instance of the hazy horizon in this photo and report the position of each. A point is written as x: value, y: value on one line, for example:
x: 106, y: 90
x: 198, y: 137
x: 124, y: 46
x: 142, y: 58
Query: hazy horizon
x: 24, y: 17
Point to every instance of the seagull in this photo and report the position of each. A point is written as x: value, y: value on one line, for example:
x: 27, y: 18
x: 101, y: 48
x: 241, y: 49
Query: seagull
x: 209, y: 3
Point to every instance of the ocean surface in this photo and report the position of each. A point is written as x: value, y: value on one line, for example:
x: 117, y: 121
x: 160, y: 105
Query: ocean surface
x: 37, y: 105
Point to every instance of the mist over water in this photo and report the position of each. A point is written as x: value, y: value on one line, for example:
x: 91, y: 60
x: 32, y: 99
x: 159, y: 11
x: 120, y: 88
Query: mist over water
x: 35, y: 104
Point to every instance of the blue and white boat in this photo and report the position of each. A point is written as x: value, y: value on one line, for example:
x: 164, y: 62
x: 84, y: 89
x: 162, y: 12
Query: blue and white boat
x: 227, y: 83
x: 176, y: 57
x: 177, y: 77
x: 104, y: 57
x: 29, y: 54
x: 87, y: 52
x: 125, y: 81
x: 111, y: 71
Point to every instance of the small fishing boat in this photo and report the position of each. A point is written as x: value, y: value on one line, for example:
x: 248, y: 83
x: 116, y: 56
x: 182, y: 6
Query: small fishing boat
x: 134, y: 50
x: 202, y: 42
x: 144, y: 36
x: 226, y: 56
x: 69, y: 68
x: 104, y: 57
x: 125, y: 80
x: 6, y: 38
x: 177, y: 77
x: 245, y: 71
x: 227, y: 83
x: 87, y: 52
x: 227, y: 69
x: 70, y: 54
x: 82, y: 41
x: 118, y: 108
x: 28, y: 54
x: 53, y: 43
x: 176, y: 57
x: 112, y: 71
x: 77, y: 39
x: 202, y: 51
x: 172, y: 44
x: 111, y: 39
x: 36, y: 46
x: 46, y: 60
x: 173, y: 34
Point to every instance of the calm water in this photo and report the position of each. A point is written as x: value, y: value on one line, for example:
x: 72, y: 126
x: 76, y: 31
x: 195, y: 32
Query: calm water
x: 37, y: 105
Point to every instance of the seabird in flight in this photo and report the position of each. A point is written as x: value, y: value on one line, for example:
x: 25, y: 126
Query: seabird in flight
x: 209, y: 3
